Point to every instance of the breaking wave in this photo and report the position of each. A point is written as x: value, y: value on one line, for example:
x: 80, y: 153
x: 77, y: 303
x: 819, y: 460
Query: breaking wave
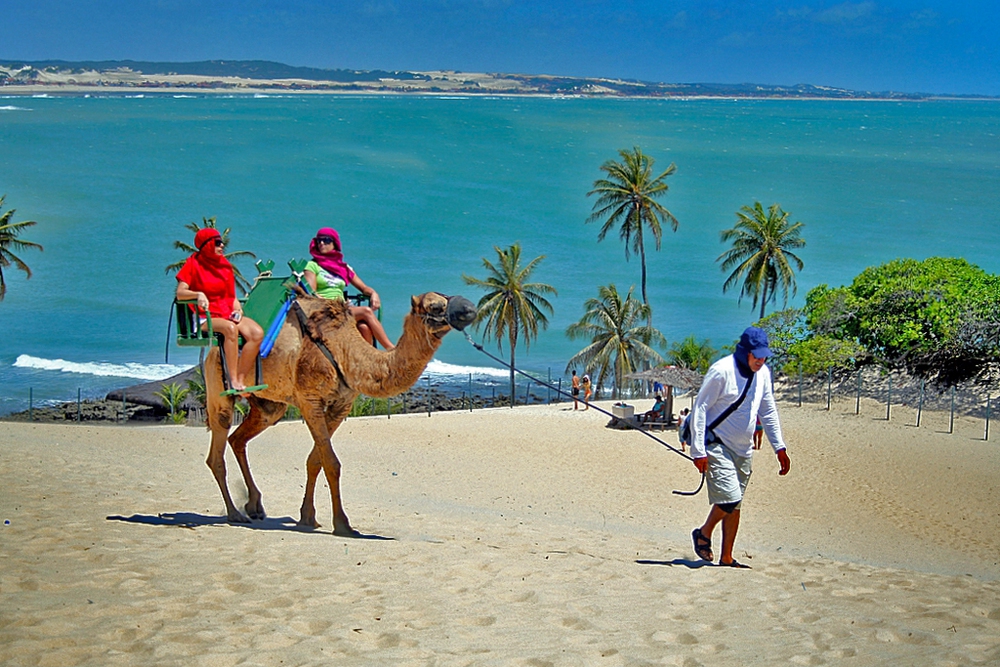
x: 149, y: 372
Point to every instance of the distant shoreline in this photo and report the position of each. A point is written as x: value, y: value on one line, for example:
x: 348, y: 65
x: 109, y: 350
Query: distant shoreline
x: 73, y: 90
x: 213, y: 77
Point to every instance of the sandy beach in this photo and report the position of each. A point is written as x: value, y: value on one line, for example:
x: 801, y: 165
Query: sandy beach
x: 533, y: 536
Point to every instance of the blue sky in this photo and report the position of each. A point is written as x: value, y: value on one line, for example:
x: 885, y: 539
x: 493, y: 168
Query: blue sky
x: 934, y: 46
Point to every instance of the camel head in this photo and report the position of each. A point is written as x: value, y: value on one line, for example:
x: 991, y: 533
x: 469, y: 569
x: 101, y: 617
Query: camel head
x: 441, y: 313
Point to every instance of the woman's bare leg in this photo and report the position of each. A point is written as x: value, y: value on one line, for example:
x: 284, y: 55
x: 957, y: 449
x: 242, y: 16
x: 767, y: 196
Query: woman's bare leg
x: 365, y: 332
x: 367, y: 316
x: 230, y: 349
x: 253, y: 335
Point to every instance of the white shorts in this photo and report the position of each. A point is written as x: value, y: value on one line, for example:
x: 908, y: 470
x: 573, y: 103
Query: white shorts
x: 727, y: 476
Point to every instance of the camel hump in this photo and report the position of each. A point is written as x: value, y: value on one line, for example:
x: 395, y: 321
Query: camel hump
x: 325, y: 312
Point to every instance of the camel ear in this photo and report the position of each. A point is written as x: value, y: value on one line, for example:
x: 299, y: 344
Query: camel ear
x: 414, y: 303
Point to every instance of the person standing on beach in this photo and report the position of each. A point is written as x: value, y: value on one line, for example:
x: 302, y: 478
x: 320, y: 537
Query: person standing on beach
x: 685, y: 413
x: 586, y: 392
x: 738, y: 389
x: 576, y: 389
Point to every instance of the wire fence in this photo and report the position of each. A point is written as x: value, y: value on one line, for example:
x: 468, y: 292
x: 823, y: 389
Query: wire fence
x: 892, y: 395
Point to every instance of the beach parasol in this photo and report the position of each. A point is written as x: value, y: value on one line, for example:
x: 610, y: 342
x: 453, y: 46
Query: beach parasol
x: 669, y: 376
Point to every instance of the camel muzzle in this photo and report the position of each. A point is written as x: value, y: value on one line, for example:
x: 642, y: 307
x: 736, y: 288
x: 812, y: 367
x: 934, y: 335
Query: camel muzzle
x: 461, y: 312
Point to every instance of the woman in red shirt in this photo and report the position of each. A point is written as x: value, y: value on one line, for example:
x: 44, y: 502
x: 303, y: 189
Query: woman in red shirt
x: 207, y: 276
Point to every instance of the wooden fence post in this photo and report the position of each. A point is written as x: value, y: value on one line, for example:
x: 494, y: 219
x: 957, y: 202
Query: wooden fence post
x: 920, y: 405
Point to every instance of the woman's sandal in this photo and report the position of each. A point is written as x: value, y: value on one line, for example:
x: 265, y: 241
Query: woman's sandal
x: 702, y: 545
x: 736, y: 564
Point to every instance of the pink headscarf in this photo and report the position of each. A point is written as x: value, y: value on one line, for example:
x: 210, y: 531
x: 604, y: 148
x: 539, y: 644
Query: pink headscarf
x: 332, y: 261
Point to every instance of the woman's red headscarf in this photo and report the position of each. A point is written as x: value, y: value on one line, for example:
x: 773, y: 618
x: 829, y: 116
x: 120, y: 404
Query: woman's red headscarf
x: 209, y: 272
x: 332, y: 261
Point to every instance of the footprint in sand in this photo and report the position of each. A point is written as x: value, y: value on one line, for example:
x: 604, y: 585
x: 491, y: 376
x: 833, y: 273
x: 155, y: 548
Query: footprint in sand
x: 575, y: 623
x: 480, y: 621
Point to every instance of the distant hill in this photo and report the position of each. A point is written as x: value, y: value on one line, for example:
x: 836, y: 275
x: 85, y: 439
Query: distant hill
x: 249, y: 69
x: 239, y: 75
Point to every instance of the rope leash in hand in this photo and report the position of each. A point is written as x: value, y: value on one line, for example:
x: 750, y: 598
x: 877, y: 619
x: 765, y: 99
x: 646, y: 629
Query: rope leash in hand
x: 599, y: 409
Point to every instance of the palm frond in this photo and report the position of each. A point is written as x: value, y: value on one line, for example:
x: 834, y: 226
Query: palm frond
x: 10, y: 242
x: 626, y: 200
x: 619, y: 342
x: 760, y: 257
x: 513, y: 307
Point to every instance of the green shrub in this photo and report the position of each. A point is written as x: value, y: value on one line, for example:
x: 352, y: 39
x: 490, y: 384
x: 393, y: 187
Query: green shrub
x: 936, y: 317
x: 365, y: 406
x: 173, y: 396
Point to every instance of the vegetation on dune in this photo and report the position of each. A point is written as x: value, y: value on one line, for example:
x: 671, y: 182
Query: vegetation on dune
x: 935, y: 318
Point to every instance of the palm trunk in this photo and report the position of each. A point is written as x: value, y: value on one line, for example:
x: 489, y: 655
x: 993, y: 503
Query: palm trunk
x: 763, y: 300
x: 618, y: 379
x: 642, y: 261
x: 513, y: 346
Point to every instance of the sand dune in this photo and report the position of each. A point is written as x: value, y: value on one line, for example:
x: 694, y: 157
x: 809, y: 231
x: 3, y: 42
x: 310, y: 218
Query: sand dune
x: 532, y: 536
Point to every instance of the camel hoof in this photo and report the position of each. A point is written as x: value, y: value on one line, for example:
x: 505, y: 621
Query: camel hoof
x: 237, y: 517
x: 256, y: 512
x: 346, y: 532
x: 308, y: 521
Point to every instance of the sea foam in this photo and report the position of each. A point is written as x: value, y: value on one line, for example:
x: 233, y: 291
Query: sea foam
x: 436, y: 367
x: 150, y: 372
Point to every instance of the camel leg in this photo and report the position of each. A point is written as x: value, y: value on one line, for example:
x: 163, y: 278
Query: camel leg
x: 322, y: 457
x: 262, y: 415
x: 219, y: 414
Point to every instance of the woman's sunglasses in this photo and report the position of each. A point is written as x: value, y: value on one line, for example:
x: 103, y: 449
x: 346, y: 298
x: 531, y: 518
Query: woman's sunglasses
x: 324, y: 239
x: 219, y: 243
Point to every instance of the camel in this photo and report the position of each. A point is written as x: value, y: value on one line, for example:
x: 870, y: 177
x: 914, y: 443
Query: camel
x: 299, y: 372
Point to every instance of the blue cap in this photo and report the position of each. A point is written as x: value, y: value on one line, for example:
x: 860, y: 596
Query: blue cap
x: 754, y: 340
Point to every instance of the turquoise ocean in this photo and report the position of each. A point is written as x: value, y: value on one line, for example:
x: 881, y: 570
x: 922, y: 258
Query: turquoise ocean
x: 422, y: 188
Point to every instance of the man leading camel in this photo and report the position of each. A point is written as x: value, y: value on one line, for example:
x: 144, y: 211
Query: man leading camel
x: 736, y: 391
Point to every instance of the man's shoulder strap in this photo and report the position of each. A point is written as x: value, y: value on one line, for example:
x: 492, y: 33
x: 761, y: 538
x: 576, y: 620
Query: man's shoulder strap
x: 728, y: 411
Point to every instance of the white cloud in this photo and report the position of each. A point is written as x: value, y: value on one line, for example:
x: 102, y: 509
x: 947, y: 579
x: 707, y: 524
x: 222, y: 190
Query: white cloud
x: 737, y: 39
x: 925, y: 18
x: 679, y: 21
x: 796, y: 12
x: 846, y: 13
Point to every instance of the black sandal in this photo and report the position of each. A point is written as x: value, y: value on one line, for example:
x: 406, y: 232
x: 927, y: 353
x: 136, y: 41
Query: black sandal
x: 738, y: 565
x: 702, y: 545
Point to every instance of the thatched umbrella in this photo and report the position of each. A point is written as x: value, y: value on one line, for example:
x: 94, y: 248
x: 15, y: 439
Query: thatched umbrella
x: 669, y: 377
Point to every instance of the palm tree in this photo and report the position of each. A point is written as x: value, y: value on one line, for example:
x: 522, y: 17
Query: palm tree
x: 692, y: 354
x: 627, y: 198
x: 618, y: 343
x: 512, y: 306
x: 9, y: 232
x: 761, y: 254
x: 242, y: 284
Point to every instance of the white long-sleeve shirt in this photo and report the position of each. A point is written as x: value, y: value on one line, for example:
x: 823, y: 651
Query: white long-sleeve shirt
x: 723, y: 384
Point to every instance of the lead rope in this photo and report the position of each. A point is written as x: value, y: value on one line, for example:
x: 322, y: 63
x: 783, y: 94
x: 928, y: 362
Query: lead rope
x: 599, y: 409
